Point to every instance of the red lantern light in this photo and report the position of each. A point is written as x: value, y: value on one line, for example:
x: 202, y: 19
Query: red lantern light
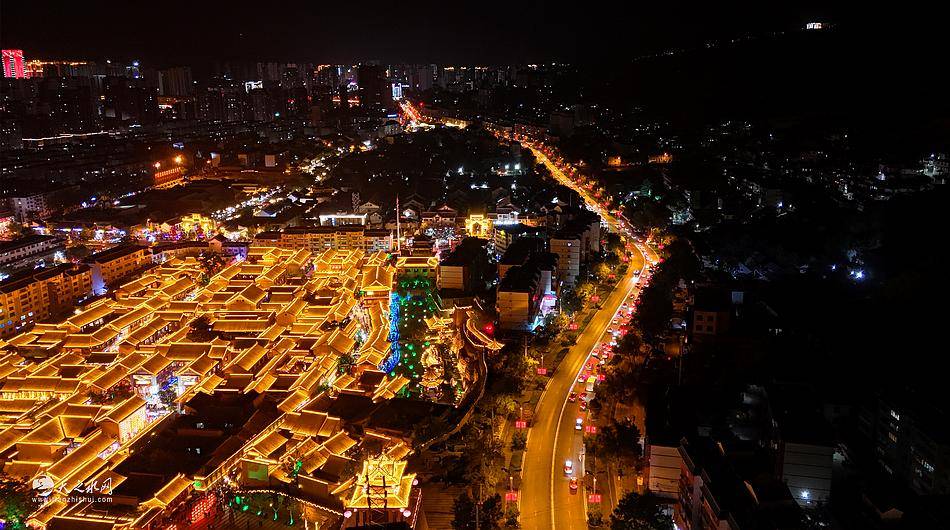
x: 203, y: 507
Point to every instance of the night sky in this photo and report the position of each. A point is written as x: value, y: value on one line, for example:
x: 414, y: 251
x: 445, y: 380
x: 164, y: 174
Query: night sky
x: 485, y: 32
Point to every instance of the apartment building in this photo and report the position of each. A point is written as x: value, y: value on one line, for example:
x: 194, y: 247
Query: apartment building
x: 722, y: 489
x: 320, y: 238
x: 25, y: 251
x: 568, y: 250
x: 34, y: 295
x: 526, y: 293
x: 117, y: 263
x: 466, y: 267
x: 574, y: 244
x: 907, y: 434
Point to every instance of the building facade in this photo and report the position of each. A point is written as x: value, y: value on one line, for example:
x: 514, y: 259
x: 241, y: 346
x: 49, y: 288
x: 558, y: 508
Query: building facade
x: 117, y: 263
x: 35, y: 295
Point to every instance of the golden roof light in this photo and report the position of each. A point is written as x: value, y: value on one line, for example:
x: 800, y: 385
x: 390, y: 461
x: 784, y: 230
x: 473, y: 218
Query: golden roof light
x: 382, y: 482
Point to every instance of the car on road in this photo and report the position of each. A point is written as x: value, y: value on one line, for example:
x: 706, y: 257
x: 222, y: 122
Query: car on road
x: 583, y: 406
x: 573, y: 484
x: 568, y: 467
x: 572, y: 397
x: 579, y: 424
x: 583, y: 396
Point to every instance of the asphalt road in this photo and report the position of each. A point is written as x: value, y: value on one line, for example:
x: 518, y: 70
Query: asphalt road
x: 546, y: 499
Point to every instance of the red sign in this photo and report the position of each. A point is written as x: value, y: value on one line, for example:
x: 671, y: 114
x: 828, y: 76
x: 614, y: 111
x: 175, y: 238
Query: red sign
x: 511, y: 496
x: 521, y: 424
x: 593, y: 497
x: 595, y: 298
x: 542, y: 371
x: 572, y: 326
x: 591, y: 429
x: 600, y: 377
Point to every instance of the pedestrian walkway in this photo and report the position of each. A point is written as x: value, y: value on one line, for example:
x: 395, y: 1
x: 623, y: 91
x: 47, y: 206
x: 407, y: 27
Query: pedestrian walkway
x: 438, y: 501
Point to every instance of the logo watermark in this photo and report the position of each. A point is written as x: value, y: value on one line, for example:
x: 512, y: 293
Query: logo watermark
x: 45, y: 490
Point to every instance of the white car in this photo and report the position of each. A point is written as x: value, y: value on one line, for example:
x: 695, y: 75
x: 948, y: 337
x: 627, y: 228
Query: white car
x: 579, y: 424
x: 568, y: 467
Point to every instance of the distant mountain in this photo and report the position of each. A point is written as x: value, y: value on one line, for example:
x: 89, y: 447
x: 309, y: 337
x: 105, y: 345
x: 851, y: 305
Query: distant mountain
x: 878, y: 82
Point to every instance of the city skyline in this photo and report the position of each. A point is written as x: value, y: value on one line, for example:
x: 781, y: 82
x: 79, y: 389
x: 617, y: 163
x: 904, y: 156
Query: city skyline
x: 506, y: 266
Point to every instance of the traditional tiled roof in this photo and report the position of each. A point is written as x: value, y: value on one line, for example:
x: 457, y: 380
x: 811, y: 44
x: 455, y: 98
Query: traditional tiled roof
x: 261, y: 330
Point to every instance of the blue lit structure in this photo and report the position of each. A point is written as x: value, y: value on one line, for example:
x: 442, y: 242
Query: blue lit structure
x: 390, y: 362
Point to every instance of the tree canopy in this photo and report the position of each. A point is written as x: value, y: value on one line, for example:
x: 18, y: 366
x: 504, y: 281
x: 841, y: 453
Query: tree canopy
x: 639, y: 512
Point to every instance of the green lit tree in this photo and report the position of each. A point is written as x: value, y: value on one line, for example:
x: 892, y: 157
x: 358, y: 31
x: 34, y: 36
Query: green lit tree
x: 16, y: 502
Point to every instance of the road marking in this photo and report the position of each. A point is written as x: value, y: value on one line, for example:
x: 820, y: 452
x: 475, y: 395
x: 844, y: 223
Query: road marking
x: 632, y: 281
x: 585, y: 359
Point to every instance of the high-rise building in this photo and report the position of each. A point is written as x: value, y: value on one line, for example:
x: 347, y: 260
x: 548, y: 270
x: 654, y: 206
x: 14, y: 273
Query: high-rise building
x: 375, y: 90
x: 328, y: 74
x: 222, y: 101
x: 259, y: 105
x: 66, y: 106
x: 290, y: 76
x: 13, y: 64
x: 420, y: 79
x: 133, y: 70
x: 344, y: 96
x: 128, y: 101
x: 176, y: 82
x: 268, y: 72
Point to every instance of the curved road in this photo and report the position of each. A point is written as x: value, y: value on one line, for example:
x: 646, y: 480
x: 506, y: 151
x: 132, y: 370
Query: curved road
x: 545, y: 496
x: 546, y: 499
